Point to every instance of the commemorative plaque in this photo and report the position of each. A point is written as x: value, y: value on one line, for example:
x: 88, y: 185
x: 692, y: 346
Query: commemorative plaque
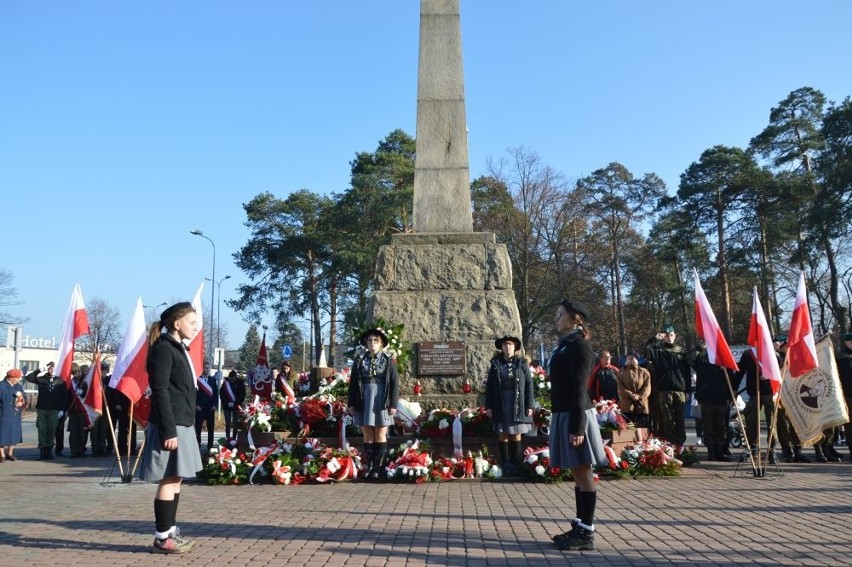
x: 441, y: 359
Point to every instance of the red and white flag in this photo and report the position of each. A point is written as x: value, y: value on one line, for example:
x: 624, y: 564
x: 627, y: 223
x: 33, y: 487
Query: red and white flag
x: 261, y: 383
x: 196, y: 345
x: 130, y: 375
x: 707, y: 328
x: 801, y: 348
x: 93, y: 401
x: 75, y: 326
x: 760, y: 339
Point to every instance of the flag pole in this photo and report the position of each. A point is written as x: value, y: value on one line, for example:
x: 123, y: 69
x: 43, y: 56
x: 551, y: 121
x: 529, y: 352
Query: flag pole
x: 774, y: 421
x: 130, y: 435
x: 112, y: 434
x: 740, y: 421
x: 141, y: 447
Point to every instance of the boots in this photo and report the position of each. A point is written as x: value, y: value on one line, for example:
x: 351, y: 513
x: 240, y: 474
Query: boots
x: 787, y: 454
x: 712, y: 453
x: 515, y: 454
x: 818, y: 454
x: 798, y: 457
x: 505, y: 460
x: 831, y: 453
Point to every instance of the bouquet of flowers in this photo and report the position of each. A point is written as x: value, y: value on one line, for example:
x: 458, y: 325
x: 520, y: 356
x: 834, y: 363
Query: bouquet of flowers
x: 439, y: 423
x: 313, y: 411
x: 284, y: 467
x: 450, y: 468
x: 651, y: 458
x: 226, y: 466
x: 285, y: 416
x: 334, y: 465
x: 541, y: 384
x: 398, y: 348
x: 541, y: 417
x: 537, y: 466
x: 410, y: 462
x: 476, y: 423
x: 257, y: 416
x: 336, y: 387
x: 303, y: 383
x: 609, y: 415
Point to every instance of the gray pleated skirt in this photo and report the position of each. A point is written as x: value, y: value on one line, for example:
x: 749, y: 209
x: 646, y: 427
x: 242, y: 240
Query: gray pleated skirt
x: 374, y: 413
x: 507, y: 425
x: 563, y: 455
x: 157, y: 463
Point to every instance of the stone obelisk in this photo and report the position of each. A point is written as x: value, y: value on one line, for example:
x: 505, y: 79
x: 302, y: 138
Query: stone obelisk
x: 444, y: 281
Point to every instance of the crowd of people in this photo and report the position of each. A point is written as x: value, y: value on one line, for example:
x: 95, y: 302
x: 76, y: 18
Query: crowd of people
x: 652, y: 390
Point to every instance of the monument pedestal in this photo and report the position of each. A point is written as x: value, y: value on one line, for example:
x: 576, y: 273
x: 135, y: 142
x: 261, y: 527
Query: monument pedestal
x: 447, y: 287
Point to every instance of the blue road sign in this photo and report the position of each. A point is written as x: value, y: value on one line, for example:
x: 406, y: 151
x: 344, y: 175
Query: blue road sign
x: 287, y: 351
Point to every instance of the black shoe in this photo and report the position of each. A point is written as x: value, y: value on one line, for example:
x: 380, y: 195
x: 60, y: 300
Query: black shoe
x: 564, y: 536
x: 773, y: 460
x: 800, y: 458
x: 579, y: 540
x: 831, y: 452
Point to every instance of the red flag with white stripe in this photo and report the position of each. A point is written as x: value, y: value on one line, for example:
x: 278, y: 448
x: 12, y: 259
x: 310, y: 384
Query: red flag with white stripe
x: 196, y: 345
x: 801, y: 348
x: 93, y: 401
x: 706, y: 326
x: 75, y: 326
x: 760, y: 339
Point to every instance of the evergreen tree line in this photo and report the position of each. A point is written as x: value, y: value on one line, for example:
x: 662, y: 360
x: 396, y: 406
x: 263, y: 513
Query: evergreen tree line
x: 622, y: 243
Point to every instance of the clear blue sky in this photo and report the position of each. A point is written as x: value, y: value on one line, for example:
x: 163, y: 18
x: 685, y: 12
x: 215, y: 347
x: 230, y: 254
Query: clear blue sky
x: 123, y: 125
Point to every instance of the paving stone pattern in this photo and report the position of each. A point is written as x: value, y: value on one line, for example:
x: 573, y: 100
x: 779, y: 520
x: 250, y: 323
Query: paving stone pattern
x: 73, y: 512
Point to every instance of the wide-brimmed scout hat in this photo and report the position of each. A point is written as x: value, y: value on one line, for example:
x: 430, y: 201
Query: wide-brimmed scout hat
x: 376, y: 331
x: 498, y: 344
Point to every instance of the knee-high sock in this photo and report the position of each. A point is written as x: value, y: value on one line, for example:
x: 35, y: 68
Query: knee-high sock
x: 587, y: 511
x: 515, y: 452
x: 163, y: 515
x: 381, y: 450
x: 578, y: 504
x: 174, y: 509
x: 504, y: 452
x: 367, y: 461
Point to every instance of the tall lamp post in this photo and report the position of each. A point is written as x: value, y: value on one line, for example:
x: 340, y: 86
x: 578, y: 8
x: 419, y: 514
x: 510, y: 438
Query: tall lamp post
x: 154, y: 308
x: 218, y: 306
x: 218, y: 340
x: 197, y: 232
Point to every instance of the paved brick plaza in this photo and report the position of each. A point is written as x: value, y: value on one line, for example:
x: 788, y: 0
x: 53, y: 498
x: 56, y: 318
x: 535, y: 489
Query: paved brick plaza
x: 63, y: 513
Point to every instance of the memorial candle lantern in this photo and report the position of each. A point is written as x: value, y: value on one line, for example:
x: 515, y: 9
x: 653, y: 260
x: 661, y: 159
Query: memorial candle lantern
x: 466, y: 388
x: 418, y: 389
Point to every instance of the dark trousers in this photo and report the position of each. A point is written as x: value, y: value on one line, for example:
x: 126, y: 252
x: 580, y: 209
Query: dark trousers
x: 231, y: 419
x: 99, y: 436
x: 715, y: 422
x: 751, y: 417
x: 60, y: 434
x: 125, y: 427
x: 209, y: 418
x: 77, y: 434
x: 673, y: 426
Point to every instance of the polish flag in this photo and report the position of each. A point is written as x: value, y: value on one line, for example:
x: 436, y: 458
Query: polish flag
x: 801, y: 348
x: 261, y: 383
x: 93, y: 401
x: 760, y: 339
x: 130, y: 376
x: 75, y: 326
x: 196, y: 345
x: 707, y: 328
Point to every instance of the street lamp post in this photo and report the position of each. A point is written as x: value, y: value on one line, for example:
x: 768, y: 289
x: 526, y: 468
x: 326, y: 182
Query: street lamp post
x: 197, y: 232
x: 154, y: 308
x: 218, y: 338
x: 218, y: 307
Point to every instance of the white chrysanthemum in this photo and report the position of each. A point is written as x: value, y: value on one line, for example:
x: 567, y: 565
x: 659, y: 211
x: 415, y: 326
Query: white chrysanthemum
x: 539, y: 470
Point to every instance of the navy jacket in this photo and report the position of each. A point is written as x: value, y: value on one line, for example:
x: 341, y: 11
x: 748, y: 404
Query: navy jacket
x: 172, y: 386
